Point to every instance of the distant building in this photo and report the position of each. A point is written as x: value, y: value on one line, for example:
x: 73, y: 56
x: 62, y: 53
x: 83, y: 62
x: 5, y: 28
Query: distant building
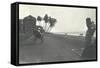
x: 28, y: 23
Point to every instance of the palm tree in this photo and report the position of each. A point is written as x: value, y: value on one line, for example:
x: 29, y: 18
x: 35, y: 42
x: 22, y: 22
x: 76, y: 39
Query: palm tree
x: 39, y: 18
x: 52, y: 22
x: 49, y: 22
x: 46, y: 21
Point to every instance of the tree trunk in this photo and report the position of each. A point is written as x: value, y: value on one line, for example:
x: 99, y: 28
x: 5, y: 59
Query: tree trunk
x: 45, y: 26
x: 39, y: 23
x: 49, y: 29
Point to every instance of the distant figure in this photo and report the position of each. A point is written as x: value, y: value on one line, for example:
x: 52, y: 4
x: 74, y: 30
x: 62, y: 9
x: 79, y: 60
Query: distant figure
x: 81, y: 34
x: 38, y: 32
x: 90, y: 31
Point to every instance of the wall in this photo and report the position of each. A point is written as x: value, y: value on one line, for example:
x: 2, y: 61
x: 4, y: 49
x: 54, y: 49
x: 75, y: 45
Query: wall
x: 5, y: 34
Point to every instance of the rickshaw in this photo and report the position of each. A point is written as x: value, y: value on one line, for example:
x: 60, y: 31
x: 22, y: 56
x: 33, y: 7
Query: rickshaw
x: 38, y: 33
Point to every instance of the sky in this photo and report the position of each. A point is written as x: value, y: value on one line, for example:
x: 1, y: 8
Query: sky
x: 69, y: 19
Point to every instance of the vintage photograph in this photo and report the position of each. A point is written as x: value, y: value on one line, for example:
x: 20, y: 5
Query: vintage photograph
x: 56, y: 34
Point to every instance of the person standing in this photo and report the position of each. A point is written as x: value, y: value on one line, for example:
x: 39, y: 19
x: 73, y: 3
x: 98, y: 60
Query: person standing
x: 90, y: 31
x: 89, y: 50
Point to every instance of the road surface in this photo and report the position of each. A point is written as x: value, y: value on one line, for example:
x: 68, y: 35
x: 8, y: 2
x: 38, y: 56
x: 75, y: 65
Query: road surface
x: 55, y: 48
